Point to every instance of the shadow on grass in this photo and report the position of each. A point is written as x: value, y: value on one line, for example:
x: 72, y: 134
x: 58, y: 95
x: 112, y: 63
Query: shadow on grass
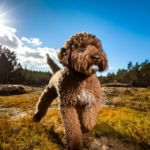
x: 55, y: 136
x: 104, y: 129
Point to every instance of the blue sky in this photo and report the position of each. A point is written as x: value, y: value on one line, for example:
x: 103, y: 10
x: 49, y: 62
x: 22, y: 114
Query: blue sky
x: 40, y: 26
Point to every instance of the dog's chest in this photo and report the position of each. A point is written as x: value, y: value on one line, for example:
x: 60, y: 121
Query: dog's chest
x: 85, y: 98
x: 76, y: 91
x: 76, y: 95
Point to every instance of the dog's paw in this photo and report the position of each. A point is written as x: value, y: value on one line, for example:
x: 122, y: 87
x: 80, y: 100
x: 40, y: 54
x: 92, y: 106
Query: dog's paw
x: 36, y: 118
x: 74, y: 147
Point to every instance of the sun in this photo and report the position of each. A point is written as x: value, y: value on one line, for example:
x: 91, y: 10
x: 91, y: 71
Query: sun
x: 4, y: 20
x: 5, y: 15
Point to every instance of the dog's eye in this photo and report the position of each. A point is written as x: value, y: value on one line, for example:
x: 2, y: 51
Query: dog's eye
x: 63, y: 51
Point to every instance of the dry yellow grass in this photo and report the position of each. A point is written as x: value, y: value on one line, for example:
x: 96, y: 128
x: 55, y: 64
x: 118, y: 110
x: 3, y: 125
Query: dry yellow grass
x: 129, y: 120
x: 24, y: 101
x: 126, y: 125
x: 24, y: 134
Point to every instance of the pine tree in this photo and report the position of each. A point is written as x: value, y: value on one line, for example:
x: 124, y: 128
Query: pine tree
x: 8, y: 64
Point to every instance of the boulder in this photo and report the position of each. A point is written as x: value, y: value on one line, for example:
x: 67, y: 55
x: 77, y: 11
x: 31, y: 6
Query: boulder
x: 11, y: 90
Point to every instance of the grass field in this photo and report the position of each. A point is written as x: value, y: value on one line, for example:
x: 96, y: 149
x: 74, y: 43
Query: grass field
x: 123, y: 124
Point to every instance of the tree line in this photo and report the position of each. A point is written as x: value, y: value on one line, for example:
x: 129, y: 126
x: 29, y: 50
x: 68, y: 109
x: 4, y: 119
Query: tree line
x: 135, y: 75
x: 12, y: 72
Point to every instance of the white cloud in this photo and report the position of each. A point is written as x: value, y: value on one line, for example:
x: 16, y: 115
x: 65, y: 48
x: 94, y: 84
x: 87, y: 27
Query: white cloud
x: 29, y: 56
x: 32, y: 41
x: 25, y: 40
x: 35, y: 59
x: 8, y: 37
x: 36, y: 41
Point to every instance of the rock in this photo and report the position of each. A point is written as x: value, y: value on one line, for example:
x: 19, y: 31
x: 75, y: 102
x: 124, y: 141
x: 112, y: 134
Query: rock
x: 95, y: 144
x: 11, y: 90
x: 128, y: 92
x: 105, y: 147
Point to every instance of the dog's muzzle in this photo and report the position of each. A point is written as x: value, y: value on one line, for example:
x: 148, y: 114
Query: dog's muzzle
x: 94, y: 68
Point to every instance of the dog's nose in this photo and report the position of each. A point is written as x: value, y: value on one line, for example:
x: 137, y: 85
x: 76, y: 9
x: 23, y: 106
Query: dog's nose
x: 95, y: 58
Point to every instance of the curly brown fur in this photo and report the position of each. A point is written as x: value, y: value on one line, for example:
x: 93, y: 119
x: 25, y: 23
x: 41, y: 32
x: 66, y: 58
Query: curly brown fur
x: 76, y: 86
x: 78, y: 46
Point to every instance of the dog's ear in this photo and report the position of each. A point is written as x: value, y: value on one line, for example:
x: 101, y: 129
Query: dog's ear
x: 104, y: 62
x: 63, y: 56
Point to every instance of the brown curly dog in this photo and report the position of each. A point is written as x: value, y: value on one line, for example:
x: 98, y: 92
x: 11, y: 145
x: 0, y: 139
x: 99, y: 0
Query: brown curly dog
x: 76, y: 86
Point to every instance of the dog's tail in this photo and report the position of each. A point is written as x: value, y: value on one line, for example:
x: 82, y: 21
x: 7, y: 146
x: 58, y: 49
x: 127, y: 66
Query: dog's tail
x: 53, y: 66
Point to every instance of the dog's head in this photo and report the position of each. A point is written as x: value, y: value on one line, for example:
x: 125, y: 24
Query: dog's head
x: 83, y: 52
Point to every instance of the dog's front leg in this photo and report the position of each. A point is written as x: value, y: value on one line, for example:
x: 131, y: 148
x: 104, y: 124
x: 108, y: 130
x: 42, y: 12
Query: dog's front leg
x: 89, y: 117
x: 72, y: 128
x: 44, y: 102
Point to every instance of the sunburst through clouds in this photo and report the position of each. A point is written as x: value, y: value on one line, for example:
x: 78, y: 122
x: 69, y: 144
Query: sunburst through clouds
x: 6, y: 15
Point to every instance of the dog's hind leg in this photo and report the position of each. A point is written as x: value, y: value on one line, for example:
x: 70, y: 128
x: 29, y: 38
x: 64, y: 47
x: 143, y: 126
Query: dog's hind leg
x: 72, y: 128
x: 44, y: 102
